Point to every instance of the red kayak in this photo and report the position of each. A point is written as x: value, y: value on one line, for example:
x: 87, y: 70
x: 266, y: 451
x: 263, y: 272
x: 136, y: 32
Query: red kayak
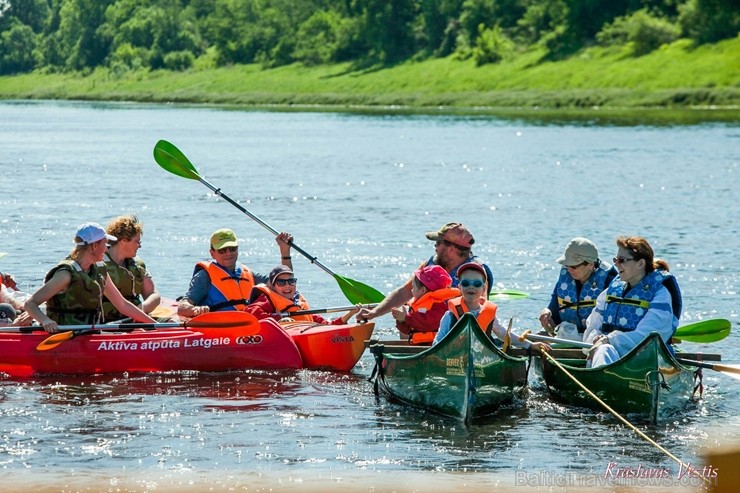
x: 329, y: 347
x: 263, y: 345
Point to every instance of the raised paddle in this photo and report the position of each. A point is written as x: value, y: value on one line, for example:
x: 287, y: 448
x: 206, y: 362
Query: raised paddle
x: 173, y: 160
x: 324, y: 310
x: 507, y: 294
x: 201, y: 323
x: 729, y: 370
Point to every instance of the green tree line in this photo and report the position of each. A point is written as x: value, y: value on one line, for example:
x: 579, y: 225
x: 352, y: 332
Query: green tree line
x: 81, y: 35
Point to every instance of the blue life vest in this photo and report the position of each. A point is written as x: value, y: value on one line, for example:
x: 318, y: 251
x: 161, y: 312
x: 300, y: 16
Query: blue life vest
x: 575, y: 307
x: 623, y: 311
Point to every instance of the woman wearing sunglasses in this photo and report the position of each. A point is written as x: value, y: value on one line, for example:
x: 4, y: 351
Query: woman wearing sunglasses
x: 224, y: 283
x: 280, y: 295
x: 582, y: 278
x: 473, y: 300
x: 644, y: 298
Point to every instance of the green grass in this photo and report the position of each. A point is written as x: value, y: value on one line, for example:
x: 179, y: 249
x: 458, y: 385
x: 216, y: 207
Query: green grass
x: 675, y: 76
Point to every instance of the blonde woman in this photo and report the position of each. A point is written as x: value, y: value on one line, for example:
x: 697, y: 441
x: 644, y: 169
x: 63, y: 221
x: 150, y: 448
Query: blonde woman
x: 73, y: 290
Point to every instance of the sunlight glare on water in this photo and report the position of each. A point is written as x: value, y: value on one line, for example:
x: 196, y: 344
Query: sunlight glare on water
x: 358, y: 192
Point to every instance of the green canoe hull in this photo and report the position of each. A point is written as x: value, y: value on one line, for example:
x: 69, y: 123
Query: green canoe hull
x: 465, y: 376
x: 646, y: 381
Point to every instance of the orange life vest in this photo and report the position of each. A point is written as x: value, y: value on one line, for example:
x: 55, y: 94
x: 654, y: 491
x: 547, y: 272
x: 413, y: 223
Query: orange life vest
x: 425, y: 303
x: 227, y: 292
x: 282, y: 304
x: 431, y: 297
x: 485, y: 317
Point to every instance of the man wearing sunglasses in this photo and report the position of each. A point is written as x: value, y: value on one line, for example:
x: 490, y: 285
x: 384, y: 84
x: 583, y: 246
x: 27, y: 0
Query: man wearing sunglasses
x: 473, y: 300
x: 223, y: 283
x: 280, y: 295
x: 453, y: 245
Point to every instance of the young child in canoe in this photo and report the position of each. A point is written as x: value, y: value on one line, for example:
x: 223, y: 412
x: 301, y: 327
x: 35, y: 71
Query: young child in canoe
x: 419, y: 319
x: 473, y: 288
x: 280, y: 295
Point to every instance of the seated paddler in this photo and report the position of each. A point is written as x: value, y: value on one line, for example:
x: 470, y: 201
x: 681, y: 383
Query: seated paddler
x: 279, y: 298
x: 583, y: 276
x: 474, y: 300
x: 644, y: 298
x: 73, y: 290
x: 418, y: 320
x: 224, y: 283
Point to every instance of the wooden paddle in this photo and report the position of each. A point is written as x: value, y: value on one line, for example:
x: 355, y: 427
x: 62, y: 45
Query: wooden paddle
x: 173, y: 160
x: 201, y: 323
x: 726, y: 369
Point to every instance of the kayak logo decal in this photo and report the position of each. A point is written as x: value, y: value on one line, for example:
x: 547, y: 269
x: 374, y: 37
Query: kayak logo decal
x: 247, y: 340
x: 342, y: 339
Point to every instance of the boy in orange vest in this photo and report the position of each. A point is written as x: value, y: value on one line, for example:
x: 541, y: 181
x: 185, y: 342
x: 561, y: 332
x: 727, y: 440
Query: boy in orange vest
x: 419, y: 319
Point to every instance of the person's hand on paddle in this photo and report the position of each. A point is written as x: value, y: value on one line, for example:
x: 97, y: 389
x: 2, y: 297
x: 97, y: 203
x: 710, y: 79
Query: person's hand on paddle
x: 365, y: 314
x: 540, y: 347
x: 349, y: 314
x: 284, y: 241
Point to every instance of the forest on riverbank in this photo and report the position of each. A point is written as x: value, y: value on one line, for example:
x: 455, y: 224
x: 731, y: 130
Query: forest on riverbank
x: 546, y: 53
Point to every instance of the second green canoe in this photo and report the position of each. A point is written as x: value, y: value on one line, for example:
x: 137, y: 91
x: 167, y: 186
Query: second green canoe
x: 465, y: 376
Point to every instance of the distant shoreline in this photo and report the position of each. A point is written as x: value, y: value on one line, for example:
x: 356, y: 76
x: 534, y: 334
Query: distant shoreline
x: 675, y: 83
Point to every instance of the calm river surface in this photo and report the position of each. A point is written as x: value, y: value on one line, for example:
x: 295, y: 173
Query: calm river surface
x: 358, y: 192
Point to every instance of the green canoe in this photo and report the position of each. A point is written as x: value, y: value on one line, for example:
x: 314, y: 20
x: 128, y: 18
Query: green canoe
x: 646, y: 381
x: 465, y: 376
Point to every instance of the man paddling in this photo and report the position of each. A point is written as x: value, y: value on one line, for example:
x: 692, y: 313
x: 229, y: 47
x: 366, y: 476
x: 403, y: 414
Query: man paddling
x: 223, y: 284
x: 452, y: 248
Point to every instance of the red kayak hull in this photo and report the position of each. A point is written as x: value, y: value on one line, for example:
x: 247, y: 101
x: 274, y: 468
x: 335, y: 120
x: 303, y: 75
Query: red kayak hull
x: 266, y: 346
x: 329, y: 347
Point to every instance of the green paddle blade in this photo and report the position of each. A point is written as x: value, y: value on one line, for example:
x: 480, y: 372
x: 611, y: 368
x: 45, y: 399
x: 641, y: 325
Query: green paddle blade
x: 171, y: 159
x: 357, y: 292
x: 507, y: 294
x: 705, y: 331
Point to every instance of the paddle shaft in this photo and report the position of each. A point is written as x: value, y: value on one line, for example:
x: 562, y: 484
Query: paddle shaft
x: 124, y: 326
x: 555, y: 340
x: 325, y: 310
x: 712, y: 366
x: 262, y: 223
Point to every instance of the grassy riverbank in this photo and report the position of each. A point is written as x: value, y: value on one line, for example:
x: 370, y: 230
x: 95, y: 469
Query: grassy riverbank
x: 675, y: 76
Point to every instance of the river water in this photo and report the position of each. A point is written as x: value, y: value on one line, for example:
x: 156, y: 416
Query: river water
x: 358, y: 192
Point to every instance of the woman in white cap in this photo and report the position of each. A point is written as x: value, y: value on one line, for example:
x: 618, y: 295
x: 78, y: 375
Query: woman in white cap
x: 73, y: 290
x: 643, y: 299
x: 582, y: 278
